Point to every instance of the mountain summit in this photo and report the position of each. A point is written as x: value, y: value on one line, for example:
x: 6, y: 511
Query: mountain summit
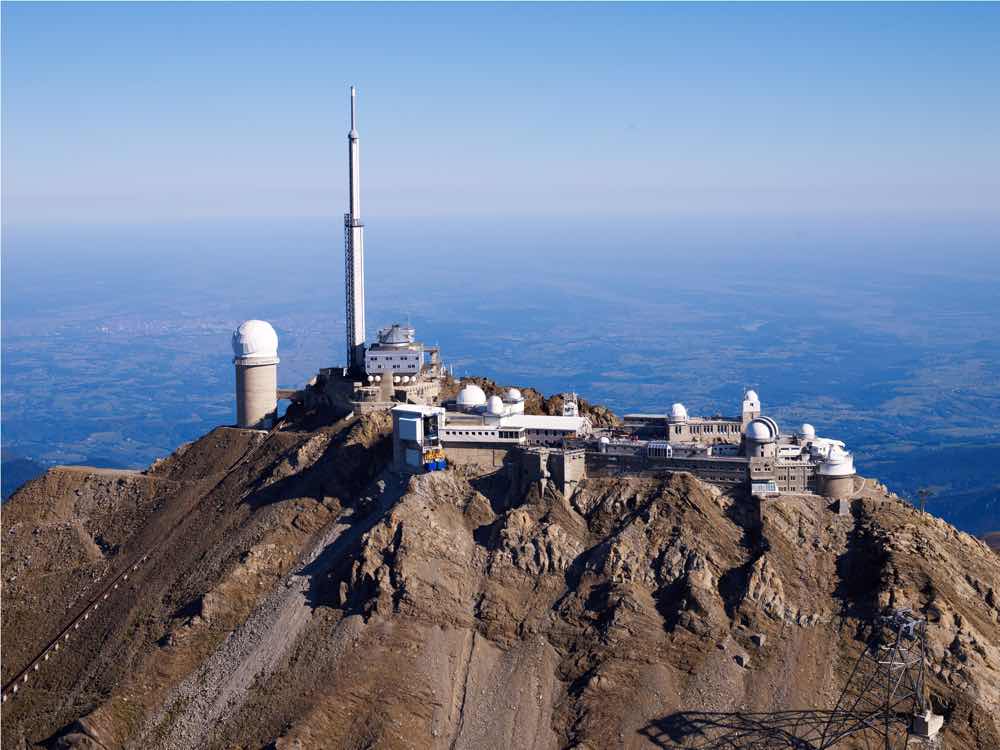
x: 288, y: 590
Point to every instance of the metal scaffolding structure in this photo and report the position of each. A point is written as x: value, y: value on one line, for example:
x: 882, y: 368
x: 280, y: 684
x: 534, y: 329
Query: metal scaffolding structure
x: 883, y: 705
x: 886, y: 688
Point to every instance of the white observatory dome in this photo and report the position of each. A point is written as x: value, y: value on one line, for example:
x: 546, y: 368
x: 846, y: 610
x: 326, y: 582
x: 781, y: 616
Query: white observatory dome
x: 494, y: 406
x: 514, y: 395
x: 838, y: 463
x: 761, y: 430
x: 678, y: 413
x: 470, y: 396
x: 255, y: 338
x: 807, y: 431
x: 751, y: 395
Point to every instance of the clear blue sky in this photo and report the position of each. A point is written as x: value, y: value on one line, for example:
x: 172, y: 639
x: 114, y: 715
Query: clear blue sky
x: 160, y: 112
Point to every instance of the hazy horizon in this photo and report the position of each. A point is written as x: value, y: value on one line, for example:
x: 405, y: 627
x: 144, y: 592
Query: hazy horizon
x: 163, y: 112
x: 644, y: 203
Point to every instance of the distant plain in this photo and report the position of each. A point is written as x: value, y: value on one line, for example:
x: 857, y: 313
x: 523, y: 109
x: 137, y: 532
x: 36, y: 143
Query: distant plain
x: 885, y: 334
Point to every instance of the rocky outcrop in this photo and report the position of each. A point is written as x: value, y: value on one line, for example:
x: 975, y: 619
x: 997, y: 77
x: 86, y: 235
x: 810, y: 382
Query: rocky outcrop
x: 303, y: 596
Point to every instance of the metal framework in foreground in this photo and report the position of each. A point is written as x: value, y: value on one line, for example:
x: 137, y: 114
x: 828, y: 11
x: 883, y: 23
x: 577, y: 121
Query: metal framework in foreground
x: 875, y: 709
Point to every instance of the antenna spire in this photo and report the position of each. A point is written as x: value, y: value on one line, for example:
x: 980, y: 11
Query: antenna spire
x: 354, y: 100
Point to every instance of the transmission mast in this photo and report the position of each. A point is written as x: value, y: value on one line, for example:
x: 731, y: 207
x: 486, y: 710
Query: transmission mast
x: 354, y: 252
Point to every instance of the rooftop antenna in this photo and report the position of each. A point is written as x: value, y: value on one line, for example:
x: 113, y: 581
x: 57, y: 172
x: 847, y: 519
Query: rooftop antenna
x: 354, y: 122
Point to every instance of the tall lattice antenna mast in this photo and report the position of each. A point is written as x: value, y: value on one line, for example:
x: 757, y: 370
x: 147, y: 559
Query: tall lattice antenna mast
x: 354, y: 252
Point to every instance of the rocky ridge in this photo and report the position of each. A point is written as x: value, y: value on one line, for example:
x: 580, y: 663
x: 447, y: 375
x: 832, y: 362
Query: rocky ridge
x: 302, y: 595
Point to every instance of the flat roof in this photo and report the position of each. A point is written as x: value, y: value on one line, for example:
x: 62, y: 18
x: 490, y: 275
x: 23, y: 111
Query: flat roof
x: 717, y: 418
x: 543, y: 422
x: 458, y: 417
x: 511, y: 421
x: 422, y: 409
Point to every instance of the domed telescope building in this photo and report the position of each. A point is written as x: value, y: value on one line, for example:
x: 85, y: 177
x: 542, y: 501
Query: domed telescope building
x: 255, y: 356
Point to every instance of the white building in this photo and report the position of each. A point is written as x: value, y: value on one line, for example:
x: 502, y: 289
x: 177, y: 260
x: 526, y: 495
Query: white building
x: 474, y: 423
x: 476, y: 419
x: 396, y: 352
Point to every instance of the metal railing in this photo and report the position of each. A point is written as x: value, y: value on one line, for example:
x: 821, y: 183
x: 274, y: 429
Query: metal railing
x: 16, y: 683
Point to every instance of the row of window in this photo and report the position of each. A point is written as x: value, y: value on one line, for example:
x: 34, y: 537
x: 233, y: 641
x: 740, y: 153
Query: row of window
x: 504, y: 434
x: 801, y: 476
x: 697, y: 429
x: 387, y: 357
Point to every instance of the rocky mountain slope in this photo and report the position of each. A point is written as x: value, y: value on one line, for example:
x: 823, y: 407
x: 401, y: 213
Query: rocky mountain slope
x: 298, y: 594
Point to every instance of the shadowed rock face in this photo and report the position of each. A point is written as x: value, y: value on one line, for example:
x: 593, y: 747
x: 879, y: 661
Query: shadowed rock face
x: 301, y: 595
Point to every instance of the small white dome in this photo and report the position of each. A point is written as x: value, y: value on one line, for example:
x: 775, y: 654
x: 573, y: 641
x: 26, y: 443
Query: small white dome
x: 513, y: 395
x: 760, y: 431
x: 255, y: 338
x: 751, y: 395
x: 494, y: 405
x: 471, y: 395
x: 807, y: 431
x: 678, y: 412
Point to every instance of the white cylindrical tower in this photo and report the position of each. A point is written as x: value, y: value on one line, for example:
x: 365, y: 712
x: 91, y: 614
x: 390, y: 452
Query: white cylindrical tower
x: 760, y: 438
x: 255, y: 355
x: 837, y: 474
x: 751, y: 406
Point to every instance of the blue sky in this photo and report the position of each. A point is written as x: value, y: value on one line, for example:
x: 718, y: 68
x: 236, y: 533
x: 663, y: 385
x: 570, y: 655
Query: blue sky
x: 118, y: 113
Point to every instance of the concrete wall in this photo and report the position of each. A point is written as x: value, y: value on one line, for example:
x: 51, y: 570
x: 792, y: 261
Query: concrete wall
x: 796, y: 477
x: 256, y: 392
x: 348, y: 394
x: 470, y: 454
x: 838, y: 488
x: 533, y: 466
x: 708, y: 431
x: 716, y: 470
x: 568, y: 468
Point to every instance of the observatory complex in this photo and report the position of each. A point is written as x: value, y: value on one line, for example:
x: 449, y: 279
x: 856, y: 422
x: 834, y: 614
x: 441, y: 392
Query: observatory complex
x: 399, y: 373
x: 748, y: 450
